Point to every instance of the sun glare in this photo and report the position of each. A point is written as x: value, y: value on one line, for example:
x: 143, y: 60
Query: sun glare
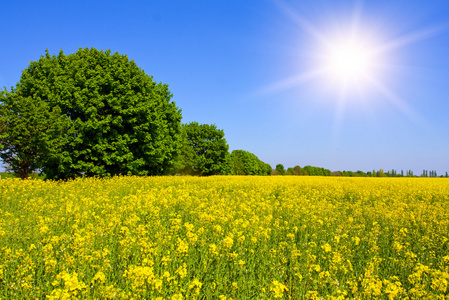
x: 349, y: 62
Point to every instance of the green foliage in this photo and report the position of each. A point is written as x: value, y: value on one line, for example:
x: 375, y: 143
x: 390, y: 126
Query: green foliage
x: 30, y: 133
x: 348, y: 173
x: 280, y: 170
x: 247, y: 163
x: 125, y: 122
x: 361, y: 173
x: 4, y: 175
x: 297, y: 170
x: 204, y: 150
x: 268, y: 169
x: 290, y: 171
x: 316, y: 171
x: 304, y: 172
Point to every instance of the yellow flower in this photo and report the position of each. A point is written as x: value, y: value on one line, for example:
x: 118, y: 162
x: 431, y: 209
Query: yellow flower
x: 100, y: 277
x: 43, y: 230
x: 182, y: 271
x: 177, y: 297
x: 228, y: 242
x: 195, y: 284
x: 316, y: 268
x: 312, y: 295
x: 326, y: 248
x: 356, y: 240
x: 183, y: 247
x: 241, y: 239
x: 278, y: 289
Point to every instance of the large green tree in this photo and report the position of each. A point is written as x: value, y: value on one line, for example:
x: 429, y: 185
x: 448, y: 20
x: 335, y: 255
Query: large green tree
x: 125, y: 123
x: 30, y: 133
x: 204, y: 150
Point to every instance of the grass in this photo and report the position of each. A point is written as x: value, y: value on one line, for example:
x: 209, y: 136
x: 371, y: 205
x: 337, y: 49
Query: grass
x: 5, y: 175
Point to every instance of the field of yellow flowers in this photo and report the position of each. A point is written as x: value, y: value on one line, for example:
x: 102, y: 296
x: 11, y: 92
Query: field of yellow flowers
x: 226, y: 237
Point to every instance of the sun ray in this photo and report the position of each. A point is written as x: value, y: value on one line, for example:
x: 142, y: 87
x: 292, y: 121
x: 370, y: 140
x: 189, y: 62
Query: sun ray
x: 397, y: 101
x: 293, y: 81
x: 302, y: 23
x: 338, y: 119
x: 411, y: 38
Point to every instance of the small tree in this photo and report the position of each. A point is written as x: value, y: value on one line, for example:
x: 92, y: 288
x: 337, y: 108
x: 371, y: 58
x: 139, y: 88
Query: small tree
x: 361, y: 173
x: 247, y: 163
x: 290, y: 171
x: 297, y: 170
x: 280, y: 170
x: 30, y: 133
x: 204, y: 150
x: 267, y: 169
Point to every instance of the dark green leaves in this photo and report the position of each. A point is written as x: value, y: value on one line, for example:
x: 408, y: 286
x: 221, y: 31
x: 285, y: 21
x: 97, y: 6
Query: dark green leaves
x: 246, y: 163
x: 204, y: 150
x: 124, y: 122
x: 31, y: 133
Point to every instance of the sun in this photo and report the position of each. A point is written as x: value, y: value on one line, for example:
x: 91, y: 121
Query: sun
x: 349, y: 62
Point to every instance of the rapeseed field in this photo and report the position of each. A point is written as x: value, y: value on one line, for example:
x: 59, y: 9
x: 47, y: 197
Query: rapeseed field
x: 230, y: 237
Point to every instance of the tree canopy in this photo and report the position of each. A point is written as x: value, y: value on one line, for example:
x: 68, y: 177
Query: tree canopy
x: 247, y: 163
x: 316, y: 171
x: 124, y: 122
x: 30, y: 133
x: 204, y: 150
x: 280, y: 170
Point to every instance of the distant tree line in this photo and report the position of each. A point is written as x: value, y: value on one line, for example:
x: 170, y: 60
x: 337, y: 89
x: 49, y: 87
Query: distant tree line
x: 305, y: 171
x: 317, y: 171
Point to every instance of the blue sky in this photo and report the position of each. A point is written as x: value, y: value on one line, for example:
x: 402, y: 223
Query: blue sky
x: 250, y: 68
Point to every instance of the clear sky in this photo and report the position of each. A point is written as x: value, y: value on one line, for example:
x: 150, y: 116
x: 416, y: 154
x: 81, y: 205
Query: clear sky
x: 259, y: 70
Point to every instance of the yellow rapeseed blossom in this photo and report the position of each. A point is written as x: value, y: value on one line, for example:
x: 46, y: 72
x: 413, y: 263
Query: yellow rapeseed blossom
x: 278, y: 289
x: 228, y: 242
x: 99, y: 277
x: 195, y: 285
x: 225, y: 237
x: 177, y: 297
x: 326, y: 248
